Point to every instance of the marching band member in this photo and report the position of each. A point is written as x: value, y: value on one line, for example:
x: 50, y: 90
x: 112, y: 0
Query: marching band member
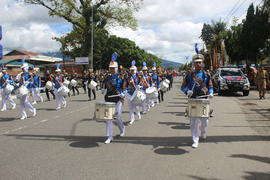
x: 197, y: 83
x: 24, y: 79
x: 48, y: 77
x: 133, y: 84
x: 145, y: 83
x: 91, y: 77
x: 58, y: 82
x: 155, y: 82
x: 35, y: 87
x: 74, y: 76
x: 114, y: 86
x: 161, y: 78
x: 4, y: 80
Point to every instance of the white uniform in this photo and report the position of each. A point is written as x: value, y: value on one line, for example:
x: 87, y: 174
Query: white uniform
x: 24, y: 100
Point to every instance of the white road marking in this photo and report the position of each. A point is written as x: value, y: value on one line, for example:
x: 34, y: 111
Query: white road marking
x: 42, y: 121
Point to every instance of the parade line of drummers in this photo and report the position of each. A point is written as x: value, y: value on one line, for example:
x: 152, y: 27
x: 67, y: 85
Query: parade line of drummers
x: 141, y: 89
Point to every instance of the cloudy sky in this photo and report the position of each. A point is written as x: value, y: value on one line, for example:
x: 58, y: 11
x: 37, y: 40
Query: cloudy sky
x: 167, y: 28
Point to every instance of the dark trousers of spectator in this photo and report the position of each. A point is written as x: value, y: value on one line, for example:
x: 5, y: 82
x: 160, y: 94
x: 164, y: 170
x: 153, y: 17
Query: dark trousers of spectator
x: 160, y: 96
x: 170, y: 85
x: 84, y: 88
x: 47, y: 94
x: 89, y: 93
x: 73, y: 90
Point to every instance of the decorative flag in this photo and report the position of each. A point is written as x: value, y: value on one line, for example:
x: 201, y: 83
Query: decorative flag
x: 23, y: 60
x: 1, y: 51
x: 114, y: 56
x: 133, y: 63
x: 154, y: 64
x: 58, y: 66
x: 196, y: 48
x: 144, y: 63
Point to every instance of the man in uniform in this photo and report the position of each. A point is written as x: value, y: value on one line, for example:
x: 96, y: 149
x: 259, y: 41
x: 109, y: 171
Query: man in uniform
x: 4, y: 80
x: 35, y: 87
x: 58, y: 82
x: 24, y: 79
x: 155, y: 83
x: 197, y: 83
x: 133, y: 84
x: 113, y: 85
x: 262, y: 81
x: 145, y: 83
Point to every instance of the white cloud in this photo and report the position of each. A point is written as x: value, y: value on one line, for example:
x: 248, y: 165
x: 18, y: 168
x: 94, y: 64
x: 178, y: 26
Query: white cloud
x: 168, y: 29
x: 26, y: 27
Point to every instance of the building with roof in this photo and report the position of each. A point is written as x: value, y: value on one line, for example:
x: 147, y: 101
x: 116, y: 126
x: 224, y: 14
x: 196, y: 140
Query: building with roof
x: 13, y: 60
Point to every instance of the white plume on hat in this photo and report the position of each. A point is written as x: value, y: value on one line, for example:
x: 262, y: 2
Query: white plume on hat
x: 154, y: 66
x: 144, y: 66
x: 133, y: 67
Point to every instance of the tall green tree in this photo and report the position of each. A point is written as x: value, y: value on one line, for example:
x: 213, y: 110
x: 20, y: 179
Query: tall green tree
x: 106, y: 13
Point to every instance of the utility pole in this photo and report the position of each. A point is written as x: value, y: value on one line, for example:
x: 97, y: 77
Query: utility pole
x: 92, y: 38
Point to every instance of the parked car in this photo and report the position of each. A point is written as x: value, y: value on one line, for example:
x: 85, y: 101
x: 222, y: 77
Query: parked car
x: 230, y: 80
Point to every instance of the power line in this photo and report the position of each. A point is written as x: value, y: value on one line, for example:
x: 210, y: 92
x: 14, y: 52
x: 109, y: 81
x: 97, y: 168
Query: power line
x: 232, y: 9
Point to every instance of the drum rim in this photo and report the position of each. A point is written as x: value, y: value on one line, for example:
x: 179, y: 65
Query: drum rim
x: 103, y: 103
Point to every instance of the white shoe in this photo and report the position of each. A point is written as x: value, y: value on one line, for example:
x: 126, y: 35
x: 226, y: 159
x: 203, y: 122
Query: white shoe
x: 23, y: 117
x: 144, y: 112
x: 64, y: 105
x: 3, y: 110
x: 195, y: 145
x: 35, y: 112
x: 41, y: 99
x: 122, y: 133
x: 35, y: 102
x: 131, y: 122
x: 108, y: 140
x: 58, y: 108
x: 14, y: 107
x: 139, y: 117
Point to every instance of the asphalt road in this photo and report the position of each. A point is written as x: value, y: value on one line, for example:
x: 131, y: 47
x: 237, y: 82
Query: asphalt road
x: 68, y: 144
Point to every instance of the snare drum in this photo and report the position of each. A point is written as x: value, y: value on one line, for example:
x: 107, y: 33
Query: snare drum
x: 8, y: 89
x: 138, y: 97
x: 198, y: 108
x: 92, y: 85
x: 73, y: 83
x: 151, y: 93
x: 167, y: 81
x: 104, y: 110
x: 66, y: 83
x: 49, y: 85
x: 63, y: 91
x: 164, y: 86
x: 21, y: 91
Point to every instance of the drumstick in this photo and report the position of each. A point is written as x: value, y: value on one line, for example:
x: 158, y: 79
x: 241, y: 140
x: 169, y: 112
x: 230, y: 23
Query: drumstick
x: 202, y: 96
x: 114, y: 96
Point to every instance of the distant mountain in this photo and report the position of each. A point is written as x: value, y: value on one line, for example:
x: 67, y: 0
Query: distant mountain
x: 56, y: 54
x: 168, y: 64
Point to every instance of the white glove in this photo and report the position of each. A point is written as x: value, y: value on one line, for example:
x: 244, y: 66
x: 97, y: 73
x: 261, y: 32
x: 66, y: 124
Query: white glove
x: 122, y: 95
x: 138, y: 87
x: 189, y: 93
x: 211, y: 95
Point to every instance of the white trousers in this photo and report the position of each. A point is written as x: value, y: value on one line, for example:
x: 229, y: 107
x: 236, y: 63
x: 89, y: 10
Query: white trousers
x: 133, y: 109
x: 5, y: 98
x: 194, y: 125
x: 119, y: 121
x: 146, y: 105
x: 25, y: 105
x: 60, y: 100
x: 36, y: 95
